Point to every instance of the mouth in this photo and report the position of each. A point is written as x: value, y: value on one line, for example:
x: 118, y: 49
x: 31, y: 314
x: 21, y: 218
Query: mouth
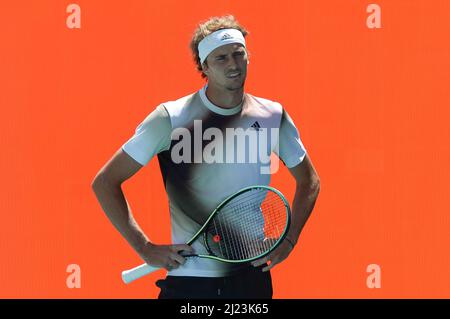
x: 233, y: 75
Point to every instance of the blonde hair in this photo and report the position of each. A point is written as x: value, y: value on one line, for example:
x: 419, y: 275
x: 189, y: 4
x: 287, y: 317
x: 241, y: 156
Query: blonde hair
x: 206, y: 28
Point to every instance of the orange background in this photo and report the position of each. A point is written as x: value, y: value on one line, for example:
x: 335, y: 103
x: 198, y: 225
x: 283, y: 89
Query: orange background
x: 372, y: 107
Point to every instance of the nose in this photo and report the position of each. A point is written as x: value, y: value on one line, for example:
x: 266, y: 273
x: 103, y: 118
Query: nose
x: 232, y: 63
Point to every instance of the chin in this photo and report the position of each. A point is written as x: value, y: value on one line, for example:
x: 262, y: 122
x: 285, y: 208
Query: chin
x: 235, y: 86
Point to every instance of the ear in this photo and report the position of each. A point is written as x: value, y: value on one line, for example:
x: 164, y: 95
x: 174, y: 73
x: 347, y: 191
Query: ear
x: 205, y: 68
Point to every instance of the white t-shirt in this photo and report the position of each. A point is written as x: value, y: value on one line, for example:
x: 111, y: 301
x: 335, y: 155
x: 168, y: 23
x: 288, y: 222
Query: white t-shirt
x: 184, y: 133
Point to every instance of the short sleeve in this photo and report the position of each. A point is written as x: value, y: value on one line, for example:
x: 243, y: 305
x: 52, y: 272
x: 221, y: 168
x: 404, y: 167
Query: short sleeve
x: 151, y: 137
x: 290, y: 148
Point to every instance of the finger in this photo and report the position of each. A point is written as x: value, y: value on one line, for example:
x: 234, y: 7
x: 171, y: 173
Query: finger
x: 172, y: 265
x: 260, y: 262
x: 267, y: 268
x: 182, y: 247
x: 178, y: 258
x: 270, y: 265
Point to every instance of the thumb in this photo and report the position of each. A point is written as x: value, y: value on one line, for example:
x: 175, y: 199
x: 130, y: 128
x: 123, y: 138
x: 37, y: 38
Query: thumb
x: 183, y: 247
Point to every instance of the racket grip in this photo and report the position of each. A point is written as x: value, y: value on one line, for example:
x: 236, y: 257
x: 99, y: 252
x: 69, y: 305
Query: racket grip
x: 137, y: 272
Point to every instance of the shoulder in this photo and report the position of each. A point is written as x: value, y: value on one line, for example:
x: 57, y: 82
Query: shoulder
x: 180, y: 102
x: 181, y: 110
x: 175, y: 107
x: 265, y: 104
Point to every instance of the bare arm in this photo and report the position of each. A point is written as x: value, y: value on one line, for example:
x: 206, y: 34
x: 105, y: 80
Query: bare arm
x: 306, y: 193
x: 107, y: 186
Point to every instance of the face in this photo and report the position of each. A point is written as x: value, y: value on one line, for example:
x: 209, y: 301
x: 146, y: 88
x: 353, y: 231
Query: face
x: 226, y: 67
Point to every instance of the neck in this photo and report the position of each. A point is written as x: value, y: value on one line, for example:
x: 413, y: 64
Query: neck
x: 223, y: 97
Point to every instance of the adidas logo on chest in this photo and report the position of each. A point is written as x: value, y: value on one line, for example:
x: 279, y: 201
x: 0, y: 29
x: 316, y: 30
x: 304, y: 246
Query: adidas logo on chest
x: 256, y: 126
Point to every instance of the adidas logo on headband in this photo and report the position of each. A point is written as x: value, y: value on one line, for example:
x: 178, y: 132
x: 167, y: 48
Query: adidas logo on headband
x: 217, y: 39
x: 226, y: 36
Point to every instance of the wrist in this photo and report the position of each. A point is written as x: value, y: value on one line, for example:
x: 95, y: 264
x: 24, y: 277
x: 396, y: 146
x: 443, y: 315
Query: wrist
x: 290, y: 241
x: 143, y: 247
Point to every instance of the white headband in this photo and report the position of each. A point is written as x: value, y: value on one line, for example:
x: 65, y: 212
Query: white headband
x: 217, y: 39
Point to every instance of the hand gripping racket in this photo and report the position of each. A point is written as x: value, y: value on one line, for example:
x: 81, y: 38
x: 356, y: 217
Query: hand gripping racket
x: 246, y: 226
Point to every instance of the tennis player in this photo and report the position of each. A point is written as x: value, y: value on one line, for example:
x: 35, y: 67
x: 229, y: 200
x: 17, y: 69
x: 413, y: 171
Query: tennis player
x: 194, y: 138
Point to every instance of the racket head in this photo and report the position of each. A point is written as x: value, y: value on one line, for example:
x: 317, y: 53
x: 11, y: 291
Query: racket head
x: 248, y: 225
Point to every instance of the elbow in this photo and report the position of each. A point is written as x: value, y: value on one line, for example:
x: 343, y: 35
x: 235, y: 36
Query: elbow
x: 316, y: 184
x: 95, y: 184
x: 314, y: 187
x: 99, y: 182
x: 104, y: 182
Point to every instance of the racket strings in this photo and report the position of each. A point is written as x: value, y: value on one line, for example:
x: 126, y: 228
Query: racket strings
x: 248, y: 225
x: 245, y: 234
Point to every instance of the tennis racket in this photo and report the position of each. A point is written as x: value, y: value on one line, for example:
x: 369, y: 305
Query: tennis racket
x: 246, y: 226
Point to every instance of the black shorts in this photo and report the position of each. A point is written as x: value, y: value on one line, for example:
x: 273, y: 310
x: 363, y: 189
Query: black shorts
x: 251, y: 283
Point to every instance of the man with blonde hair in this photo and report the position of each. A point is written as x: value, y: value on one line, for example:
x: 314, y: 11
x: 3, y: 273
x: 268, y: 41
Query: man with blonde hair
x: 195, y: 185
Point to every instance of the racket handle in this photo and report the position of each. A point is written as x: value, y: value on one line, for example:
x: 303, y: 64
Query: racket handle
x: 137, y: 272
